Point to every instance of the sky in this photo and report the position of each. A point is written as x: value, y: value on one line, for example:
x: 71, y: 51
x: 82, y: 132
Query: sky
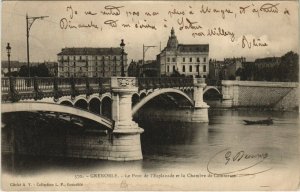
x: 275, y: 24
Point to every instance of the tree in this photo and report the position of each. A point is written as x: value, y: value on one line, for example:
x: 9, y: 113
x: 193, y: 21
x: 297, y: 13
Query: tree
x: 40, y: 71
x: 289, y: 67
x: 23, y: 71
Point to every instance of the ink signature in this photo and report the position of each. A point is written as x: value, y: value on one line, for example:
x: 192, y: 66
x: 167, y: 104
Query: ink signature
x: 237, y: 163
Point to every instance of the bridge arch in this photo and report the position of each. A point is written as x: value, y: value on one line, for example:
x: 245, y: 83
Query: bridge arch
x: 95, y: 105
x: 94, y: 96
x: 143, y: 95
x: 106, y: 105
x: 149, y: 92
x: 53, y: 107
x: 80, y: 98
x: 211, y: 87
x: 81, y: 103
x: 135, y: 99
x: 159, y: 92
x: 66, y: 102
x: 105, y: 95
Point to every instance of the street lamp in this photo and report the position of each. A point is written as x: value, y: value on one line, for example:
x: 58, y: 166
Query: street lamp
x: 8, y: 49
x: 122, y: 60
x: 29, y: 22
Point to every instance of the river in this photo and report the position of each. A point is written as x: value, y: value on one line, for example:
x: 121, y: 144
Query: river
x: 253, y: 154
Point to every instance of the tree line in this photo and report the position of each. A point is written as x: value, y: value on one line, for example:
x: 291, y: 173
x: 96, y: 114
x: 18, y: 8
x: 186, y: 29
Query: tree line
x: 287, y: 70
x: 40, y: 70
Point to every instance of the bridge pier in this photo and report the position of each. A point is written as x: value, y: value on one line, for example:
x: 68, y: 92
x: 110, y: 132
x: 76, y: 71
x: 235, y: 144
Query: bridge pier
x: 200, y: 111
x: 126, y: 143
x: 227, y: 100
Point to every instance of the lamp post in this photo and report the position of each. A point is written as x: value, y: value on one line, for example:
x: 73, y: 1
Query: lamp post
x: 122, y: 45
x: 8, y: 49
x: 29, y: 22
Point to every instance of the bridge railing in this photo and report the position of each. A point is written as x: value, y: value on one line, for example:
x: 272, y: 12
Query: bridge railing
x: 45, y: 83
x: 80, y: 85
x: 164, y: 82
x: 4, y: 85
x: 29, y: 85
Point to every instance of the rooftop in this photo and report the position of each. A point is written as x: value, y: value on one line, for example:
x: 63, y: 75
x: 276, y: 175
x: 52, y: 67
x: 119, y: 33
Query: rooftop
x: 268, y: 59
x: 193, y: 47
x: 91, y: 51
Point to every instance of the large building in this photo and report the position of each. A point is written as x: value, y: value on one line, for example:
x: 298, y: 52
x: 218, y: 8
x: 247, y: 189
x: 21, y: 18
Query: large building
x: 150, y: 68
x: 91, y: 62
x: 185, y: 59
x: 267, y: 62
x: 226, y: 69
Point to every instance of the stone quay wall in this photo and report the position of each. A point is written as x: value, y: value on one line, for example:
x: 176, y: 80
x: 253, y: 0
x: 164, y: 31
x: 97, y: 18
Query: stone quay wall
x: 275, y: 95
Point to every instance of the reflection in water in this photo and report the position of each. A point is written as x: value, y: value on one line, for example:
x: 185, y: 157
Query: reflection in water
x: 170, y: 145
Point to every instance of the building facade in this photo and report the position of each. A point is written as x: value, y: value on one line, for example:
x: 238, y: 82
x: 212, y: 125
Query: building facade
x: 267, y: 62
x: 226, y: 69
x: 183, y: 59
x: 91, y: 62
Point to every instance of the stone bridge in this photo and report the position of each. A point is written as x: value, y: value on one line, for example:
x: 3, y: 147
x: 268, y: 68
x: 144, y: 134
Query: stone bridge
x: 112, y: 102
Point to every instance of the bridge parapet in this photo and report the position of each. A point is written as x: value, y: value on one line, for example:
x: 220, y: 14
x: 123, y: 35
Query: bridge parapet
x: 164, y: 82
x: 19, y: 88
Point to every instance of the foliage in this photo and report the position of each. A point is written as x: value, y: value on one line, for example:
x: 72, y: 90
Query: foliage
x: 287, y: 70
x: 40, y: 70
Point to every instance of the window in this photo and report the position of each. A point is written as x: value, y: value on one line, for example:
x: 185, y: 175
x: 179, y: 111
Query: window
x: 197, y: 68
x: 74, y: 64
x: 174, y: 68
x: 96, y: 69
x: 183, y: 68
x: 204, y: 59
x: 191, y: 59
x: 168, y: 59
x: 80, y: 68
x: 183, y: 59
x: 79, y: 57
x: 191, y: 68
x: 174, y: 59
x: 168, y: 69
x: 204, y: 68
x: 204, y: 76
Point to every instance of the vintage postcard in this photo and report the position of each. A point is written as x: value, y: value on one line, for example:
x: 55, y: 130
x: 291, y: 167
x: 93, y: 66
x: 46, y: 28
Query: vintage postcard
x: 150, y: 95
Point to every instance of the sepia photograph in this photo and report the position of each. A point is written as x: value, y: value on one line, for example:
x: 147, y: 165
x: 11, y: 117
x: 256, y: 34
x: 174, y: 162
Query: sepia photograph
x: 150, y: 95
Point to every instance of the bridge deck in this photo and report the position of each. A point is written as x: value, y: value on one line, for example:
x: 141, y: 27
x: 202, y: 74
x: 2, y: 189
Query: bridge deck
x: 52, y: 107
